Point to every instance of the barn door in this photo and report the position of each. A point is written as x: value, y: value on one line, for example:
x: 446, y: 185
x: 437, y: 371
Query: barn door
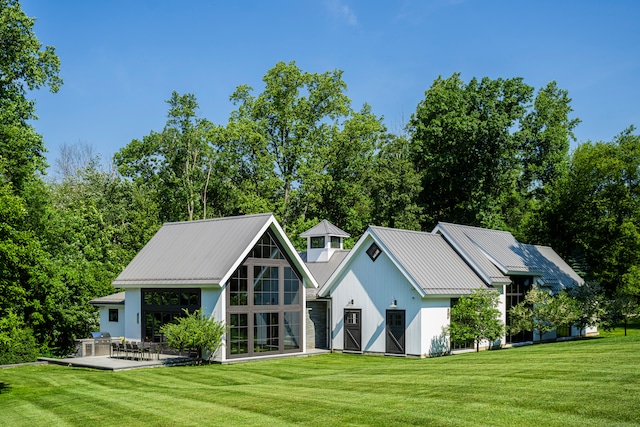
x: 352, y: 330
x: 395, y: 332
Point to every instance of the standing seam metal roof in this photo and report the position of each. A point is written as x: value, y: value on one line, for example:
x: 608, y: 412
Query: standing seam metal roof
x: 429, y: 260
x: 193, y: 252
x: 325, y: 228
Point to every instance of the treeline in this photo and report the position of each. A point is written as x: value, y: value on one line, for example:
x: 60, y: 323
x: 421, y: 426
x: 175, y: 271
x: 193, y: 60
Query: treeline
x: 491, y: 152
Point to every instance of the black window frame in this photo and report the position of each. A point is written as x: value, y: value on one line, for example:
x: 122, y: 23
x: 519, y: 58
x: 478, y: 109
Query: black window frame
x: 374, y: 251
x: 113, y: 315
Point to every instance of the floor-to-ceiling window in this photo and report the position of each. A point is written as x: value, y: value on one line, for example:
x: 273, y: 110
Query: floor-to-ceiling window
x: 516, y: 292
x: 264, y: 303
x: 161, y: 306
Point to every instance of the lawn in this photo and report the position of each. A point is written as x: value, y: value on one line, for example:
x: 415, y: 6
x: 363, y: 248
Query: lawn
x: 575, y: 383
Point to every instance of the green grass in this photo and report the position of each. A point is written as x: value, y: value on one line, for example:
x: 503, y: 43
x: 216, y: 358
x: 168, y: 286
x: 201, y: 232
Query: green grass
x: 575, y: 383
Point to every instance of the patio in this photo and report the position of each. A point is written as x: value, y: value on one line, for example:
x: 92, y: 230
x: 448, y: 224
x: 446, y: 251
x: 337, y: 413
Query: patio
x: 118, y: 364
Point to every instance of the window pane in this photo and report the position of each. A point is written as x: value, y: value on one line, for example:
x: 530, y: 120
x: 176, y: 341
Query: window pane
x: 291, y: 330
x: 266, y: 248
x: 291, y: 287
x: 265, y: 288
x: 317, y: 242
x: 335, y: 242
x: 265, y: 332
x: 238, y: 291
x: 238, y: 334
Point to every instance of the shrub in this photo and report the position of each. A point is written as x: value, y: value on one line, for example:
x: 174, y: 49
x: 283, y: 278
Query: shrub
x: 17, y: 343
x: 195, y: 331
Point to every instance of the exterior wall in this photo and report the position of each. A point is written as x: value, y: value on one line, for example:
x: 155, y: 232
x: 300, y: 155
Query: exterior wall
x: 434, y: 317
x: 317, y: 325
x: 132, y: 315
x: 213, y: 304
x: 116, y: 329
x: 372, y: 286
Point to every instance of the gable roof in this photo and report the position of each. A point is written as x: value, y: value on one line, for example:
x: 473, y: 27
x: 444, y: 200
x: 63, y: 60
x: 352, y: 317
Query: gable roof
x: 495, y: 254
x: 325, y: 228
x: 425, y: 259
x: 203, y: 252
x: 557, y: 274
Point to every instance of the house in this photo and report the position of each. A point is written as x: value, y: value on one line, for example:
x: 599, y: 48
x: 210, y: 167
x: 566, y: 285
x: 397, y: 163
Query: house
x: 391, y: 294
x: 242, y: 270
x: 511, y: 267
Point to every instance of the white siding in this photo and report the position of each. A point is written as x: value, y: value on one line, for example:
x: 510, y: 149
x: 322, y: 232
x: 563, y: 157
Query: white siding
x: 116, y: 329
x: 373, y: 286
x: 213, y: 304
x: 435, y: 316
x: 132, y: 328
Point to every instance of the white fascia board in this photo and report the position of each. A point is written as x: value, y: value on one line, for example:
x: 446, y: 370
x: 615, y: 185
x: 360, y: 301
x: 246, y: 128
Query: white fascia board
x: 309, y: 281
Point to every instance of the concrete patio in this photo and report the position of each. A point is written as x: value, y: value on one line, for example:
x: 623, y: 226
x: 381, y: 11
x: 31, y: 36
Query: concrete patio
x: 117, y: 364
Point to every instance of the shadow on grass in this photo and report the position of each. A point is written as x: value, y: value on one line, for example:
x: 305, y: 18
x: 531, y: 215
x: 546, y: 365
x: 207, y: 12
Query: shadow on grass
x: 4, y: 387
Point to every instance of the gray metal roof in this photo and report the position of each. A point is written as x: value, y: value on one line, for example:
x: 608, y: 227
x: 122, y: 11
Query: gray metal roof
x: 197, y: 252
x: 429, y: 260
x: 325, y: 228
x: 494, y: 253
x: 113, y: 299
x: 323, y: 270
x: 557, y: 274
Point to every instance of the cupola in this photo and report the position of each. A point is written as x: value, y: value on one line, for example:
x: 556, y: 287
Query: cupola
x: 323, y: 240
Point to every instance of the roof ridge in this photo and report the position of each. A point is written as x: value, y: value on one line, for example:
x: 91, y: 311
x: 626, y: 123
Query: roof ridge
x: 219, y: 219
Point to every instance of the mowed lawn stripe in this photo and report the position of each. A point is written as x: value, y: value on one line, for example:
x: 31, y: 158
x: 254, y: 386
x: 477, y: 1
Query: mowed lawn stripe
x: 586, y: 382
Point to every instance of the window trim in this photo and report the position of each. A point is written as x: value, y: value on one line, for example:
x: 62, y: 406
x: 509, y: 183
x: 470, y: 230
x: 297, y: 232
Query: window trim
x: 374, y: 251
x: 113, y: 315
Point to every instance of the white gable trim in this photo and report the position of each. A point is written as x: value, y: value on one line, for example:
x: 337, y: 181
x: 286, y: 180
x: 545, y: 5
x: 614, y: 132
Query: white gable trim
x: 332, y: 281
x: 308, y: 280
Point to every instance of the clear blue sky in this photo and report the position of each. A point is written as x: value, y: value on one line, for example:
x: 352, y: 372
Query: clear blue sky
x: 121, y: 59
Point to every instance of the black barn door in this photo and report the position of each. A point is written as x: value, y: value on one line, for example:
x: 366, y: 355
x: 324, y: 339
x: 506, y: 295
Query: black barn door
x: 395, y: 332
x: 352, y: 330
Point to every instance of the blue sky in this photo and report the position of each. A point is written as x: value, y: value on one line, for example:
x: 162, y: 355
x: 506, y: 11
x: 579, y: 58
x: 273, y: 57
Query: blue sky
x: 121, y: 59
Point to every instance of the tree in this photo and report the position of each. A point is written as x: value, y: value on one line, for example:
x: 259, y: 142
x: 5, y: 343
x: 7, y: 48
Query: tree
x: 595, y: 210
x: 195, y: 331
x: 24, y: 65
x: 476, y: 317
x: 176, y: 163
x: 540, y: 311
x: 590, y: 304
x: 288, y: 125
x: 485, y: 154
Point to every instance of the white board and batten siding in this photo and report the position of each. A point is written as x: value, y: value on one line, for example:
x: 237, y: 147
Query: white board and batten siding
x: 373, y: 286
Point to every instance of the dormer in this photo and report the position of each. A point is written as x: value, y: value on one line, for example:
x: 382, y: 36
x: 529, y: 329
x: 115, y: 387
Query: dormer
x: 323, y: 240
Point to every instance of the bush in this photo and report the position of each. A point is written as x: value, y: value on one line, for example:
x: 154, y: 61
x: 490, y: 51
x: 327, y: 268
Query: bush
x: 195, y: 331
x: 17, y: 343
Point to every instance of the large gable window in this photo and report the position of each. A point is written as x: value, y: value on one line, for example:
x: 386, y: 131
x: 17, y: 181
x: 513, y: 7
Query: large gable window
x: 264, y: 304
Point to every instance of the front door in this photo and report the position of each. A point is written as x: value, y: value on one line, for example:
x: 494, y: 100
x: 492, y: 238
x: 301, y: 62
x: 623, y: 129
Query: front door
x: 395, y: 332
x: 352, y: 330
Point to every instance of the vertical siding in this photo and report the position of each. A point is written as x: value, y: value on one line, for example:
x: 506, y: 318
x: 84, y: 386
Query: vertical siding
x: 373, y: 286
x: 435, y: 316
x: 213, y: 304
x: 132, y: 307
x: 116, y: 329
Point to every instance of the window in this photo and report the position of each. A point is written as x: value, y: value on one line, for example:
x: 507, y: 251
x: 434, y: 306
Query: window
x: 113, y: 315
x: 265, y: 288
x: 335, y: 242
x: 162, y: 306
x: 291, y: 287
x: 238, y: 291
x: 266, y: 248
x: 563, y: 331
x: 373, y: 252
x: 238, y: 334
x: 317, y: 242
x: 291, y: 330
x: 264, y: 303
x: 265, y: 333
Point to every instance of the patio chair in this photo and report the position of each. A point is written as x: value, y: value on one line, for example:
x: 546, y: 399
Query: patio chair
x: 135, y: 350
x: 128, y: 351
x: 115, y: 349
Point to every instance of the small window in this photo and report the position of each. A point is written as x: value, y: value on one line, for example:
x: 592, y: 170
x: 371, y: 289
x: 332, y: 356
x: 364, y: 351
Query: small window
x: 317, y: 242
x: 335, y: 242
x: 373, y: 252
x: 113, y: 315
